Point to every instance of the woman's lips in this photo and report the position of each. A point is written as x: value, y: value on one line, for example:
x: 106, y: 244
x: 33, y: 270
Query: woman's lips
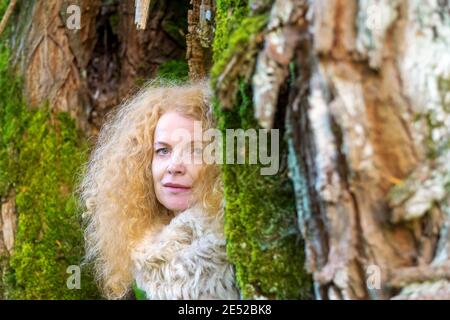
x: 175, y: 187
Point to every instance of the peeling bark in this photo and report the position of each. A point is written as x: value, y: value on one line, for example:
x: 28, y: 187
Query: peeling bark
x: 365, y: 147
x: 141, y: 16
x: 368, y: 123
x: 8, y: 225
x: 272, y: 66
x: 406, y: 276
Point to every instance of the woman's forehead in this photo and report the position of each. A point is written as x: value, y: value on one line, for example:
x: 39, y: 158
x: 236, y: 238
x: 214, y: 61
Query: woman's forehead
x: 173, y: 125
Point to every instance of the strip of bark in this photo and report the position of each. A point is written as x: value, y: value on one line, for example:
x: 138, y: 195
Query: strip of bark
x: 405, y: 276
x: 7, y: 15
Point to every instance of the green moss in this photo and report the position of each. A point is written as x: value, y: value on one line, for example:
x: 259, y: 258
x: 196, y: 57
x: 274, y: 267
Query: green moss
x: 238, y: 41
x: 174, y: 70
x: 40, y: 153
x: 3, y: 6
x: 263, y: 241
x: 433, y: 119
x: 229, y: 15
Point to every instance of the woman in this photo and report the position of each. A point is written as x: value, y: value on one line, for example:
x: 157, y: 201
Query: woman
x: 154, y: 212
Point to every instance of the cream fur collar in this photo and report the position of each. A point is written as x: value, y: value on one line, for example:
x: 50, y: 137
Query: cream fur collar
x: 186, y: 259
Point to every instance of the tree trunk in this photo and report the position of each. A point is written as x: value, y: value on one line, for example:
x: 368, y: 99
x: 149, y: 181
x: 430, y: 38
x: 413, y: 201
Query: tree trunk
x: 376, y: 156
x: 88, y: 71
x: 367, y: 120
x: 199, y: 39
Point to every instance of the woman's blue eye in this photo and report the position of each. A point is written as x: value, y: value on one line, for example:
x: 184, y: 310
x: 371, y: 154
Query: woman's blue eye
x: 162, y: 151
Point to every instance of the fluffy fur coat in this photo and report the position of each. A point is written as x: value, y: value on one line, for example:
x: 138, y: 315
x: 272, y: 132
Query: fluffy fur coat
x: 185, y: 259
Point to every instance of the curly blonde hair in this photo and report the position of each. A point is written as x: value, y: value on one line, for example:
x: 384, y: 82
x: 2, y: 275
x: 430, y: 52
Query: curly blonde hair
x: 117, y: 193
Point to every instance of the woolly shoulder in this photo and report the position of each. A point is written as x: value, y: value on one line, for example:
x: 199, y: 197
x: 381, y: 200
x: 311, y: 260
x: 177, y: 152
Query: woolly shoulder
x: 185, y: 260
x: 164, y: 243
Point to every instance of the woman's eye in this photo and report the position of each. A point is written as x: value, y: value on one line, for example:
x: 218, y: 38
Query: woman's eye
x: 162, y: 151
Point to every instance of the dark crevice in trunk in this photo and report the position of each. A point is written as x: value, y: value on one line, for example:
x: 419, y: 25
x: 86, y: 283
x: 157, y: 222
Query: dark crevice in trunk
x: 316, y: 237
x: 125, y: 57
x: 103, y: 71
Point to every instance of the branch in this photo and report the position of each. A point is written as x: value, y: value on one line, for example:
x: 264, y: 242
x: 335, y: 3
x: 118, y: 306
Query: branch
x: 7, y: 15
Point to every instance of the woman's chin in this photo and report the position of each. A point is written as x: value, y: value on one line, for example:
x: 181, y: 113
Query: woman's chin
x: 177, y: 203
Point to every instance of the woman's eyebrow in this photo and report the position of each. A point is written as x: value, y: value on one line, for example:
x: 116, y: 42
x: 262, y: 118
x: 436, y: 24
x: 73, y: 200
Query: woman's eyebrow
x: 162, y: 143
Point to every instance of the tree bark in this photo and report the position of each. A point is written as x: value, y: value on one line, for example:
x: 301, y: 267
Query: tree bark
x: 367, y: 127
x: 367, y: 148
x: 199, y: 39
x: 87, y: 72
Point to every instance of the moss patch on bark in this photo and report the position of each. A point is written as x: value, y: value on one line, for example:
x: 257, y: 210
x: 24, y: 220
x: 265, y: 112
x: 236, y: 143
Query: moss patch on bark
x: 40, y: 154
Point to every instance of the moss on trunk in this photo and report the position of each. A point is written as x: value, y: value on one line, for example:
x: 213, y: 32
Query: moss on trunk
x: 263, y: 239
x: 40, y: 153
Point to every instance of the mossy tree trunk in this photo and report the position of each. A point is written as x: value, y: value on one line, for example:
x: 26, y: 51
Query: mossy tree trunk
x: 361, y: 88
x: 57, y: 84
x: 263, y: 239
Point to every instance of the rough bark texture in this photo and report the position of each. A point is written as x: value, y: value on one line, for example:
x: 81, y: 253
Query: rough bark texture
x: 362, y: 123
x: 199, y: 38
x: 367, y: 121
x: 262, y: 233
x: 47, y: 62
x: 87, y: 72
x: 376, y: 157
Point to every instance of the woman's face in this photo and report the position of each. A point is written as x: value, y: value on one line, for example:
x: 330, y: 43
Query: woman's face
x: 173, y: 169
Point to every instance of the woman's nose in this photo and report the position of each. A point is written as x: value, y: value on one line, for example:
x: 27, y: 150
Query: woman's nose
x: 176, y: 168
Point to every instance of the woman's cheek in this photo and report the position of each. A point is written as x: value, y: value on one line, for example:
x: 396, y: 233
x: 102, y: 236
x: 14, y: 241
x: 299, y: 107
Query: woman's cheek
x: 156, y: 169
